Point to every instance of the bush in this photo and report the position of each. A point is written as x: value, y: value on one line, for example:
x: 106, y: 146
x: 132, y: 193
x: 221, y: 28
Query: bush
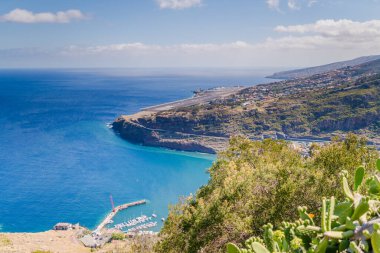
x: 254, y: 183
x: 4, y: 240
x: 352, y: 224
x: 118, y: 236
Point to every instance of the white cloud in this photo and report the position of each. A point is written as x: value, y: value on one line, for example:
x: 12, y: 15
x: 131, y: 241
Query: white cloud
x: 120, y: 47
x: 298, y: 45
x: 312, y: 2
x: 343, y: 29
x: 328, y: 35
x: 141, y: 48
x: 321, y: 40
x: 273, y: 4
x: 292, y: 4
x: 25, y: 16
x: 178, y: 4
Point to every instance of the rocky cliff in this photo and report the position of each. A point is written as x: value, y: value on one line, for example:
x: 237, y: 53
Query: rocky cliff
x: 139, y: 134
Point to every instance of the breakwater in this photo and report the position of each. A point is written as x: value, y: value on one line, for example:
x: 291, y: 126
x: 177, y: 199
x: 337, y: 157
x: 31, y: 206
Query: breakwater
x: 113, y: 213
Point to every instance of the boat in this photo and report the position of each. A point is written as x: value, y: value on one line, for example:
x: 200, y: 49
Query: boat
x: 133, y: 222
x: 142, y: 227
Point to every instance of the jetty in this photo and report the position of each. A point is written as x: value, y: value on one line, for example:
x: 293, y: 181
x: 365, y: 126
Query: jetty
x: 114, y: 211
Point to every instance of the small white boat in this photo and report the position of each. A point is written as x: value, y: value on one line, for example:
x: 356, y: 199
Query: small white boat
x: 162, y: 219
x: 154, y: 215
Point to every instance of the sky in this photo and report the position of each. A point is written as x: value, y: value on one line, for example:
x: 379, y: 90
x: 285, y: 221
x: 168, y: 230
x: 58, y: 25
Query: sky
x: 186, y: 33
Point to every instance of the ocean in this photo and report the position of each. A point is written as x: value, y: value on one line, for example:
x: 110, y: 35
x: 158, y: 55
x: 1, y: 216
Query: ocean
x: 59, y: 162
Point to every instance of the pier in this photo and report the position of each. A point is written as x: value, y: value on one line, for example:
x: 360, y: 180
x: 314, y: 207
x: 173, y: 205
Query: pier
x: 115, y: 210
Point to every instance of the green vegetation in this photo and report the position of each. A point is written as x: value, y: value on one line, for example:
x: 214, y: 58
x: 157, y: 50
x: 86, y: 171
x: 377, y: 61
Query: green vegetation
x: 118, y: 236
x: 346, y: 108
x: 349, y: 107
x: 255, y: 183
x: 5, y: 241
x: 42, y: 251
x: 350, y: 224
x: 315, y: 106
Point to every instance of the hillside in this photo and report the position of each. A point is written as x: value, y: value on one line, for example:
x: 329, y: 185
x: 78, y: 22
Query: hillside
x: 306, y: 72
x: 49, y: 241
x: 322, y: 106
x: 53, y: 241
x: 253, y: 183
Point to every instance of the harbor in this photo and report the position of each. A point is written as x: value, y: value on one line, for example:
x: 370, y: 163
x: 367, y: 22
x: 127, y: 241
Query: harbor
x: 136, y: 226
x: 115, y: 210
x: 133, y: 222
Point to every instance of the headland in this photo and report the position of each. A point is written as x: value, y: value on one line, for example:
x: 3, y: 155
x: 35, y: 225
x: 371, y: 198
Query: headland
x: 304, y: 110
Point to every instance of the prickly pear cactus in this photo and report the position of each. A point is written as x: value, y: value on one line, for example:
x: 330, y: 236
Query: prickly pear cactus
x: 351, y: 225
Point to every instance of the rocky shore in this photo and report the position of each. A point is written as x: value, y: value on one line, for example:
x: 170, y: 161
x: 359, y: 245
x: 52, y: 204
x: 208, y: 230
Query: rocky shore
x: 139, y: 134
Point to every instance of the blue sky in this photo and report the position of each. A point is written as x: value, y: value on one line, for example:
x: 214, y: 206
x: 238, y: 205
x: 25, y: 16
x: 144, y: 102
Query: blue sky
x: 186, y: 33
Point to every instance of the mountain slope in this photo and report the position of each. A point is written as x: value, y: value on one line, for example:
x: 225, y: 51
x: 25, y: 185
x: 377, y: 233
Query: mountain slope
x: 324, y: 105
x: 306, y: 72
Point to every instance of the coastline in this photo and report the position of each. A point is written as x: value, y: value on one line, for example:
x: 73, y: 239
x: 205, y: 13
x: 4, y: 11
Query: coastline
x: 204, y: 123
x: 130, y: 127
x: 136, y: 133
x: 74, y: 238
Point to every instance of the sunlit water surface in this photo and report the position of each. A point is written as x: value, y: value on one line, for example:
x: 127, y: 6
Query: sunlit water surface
x: 59, y: 162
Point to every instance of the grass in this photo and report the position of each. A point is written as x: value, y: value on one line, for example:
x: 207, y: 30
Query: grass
x: 5, y: 241
x: 118, y: 236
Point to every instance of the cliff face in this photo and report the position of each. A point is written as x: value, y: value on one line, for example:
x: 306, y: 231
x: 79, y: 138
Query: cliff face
x: 134, y: 132
x: 139, y: 134
x: 349, y: 123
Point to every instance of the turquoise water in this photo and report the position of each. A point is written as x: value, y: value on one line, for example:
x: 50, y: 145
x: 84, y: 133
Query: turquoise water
x: 59, y: 162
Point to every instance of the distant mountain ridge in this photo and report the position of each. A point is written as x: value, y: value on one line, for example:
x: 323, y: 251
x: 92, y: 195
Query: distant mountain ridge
x: 306, y: 72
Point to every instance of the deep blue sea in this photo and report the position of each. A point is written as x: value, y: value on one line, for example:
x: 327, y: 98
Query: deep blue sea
x: 59, y: 162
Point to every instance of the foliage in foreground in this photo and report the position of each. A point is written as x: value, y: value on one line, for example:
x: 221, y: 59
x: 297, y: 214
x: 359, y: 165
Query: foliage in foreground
x: 254, y: 183
x: 350, y: 225
x: 118, y: 236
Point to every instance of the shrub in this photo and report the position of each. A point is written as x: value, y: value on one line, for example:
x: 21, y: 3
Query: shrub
x: 5, y: 241
x: 118, y: 236
x: 254, y: 183
x: 352, y: 224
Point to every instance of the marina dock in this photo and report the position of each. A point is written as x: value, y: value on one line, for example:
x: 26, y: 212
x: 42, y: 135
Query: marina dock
x: 113, y: 213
